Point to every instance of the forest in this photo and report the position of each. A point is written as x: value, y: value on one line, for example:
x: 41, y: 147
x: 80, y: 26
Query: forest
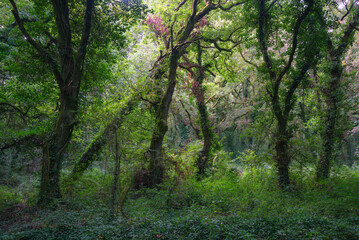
x: 179, y: 119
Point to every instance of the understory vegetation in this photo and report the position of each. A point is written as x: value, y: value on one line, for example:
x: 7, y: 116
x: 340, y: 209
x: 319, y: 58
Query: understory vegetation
x: 232, y: 205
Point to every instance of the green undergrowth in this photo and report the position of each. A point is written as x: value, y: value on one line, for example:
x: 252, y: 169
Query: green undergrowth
x: 234, y: 205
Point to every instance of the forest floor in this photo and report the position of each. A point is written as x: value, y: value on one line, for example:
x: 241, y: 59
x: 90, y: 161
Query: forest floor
x: 223, y: 206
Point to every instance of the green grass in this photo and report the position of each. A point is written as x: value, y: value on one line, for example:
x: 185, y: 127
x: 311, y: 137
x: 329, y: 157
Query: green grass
x: 223, y: 206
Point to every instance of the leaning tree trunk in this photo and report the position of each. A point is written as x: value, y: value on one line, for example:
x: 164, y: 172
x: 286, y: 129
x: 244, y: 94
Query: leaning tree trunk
x: 89, y: 156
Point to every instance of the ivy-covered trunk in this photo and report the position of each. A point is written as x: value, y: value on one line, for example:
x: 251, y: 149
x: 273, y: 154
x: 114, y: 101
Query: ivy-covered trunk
x: 282, y: 104
x: 333, y: 95
x: 92, y: 151
x: 332, y: 92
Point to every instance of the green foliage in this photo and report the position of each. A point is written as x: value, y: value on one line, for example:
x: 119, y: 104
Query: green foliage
x: 8, y: 198
x: 183, y: 162
x: 244, y: 205
x: 239, y: 197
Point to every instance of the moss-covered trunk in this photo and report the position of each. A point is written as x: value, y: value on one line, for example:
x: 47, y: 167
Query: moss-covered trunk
x: 89, y: 155
x: 204, y: 154
x: 156, y: 167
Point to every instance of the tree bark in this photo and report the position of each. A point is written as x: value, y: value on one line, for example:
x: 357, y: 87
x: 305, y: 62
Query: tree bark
x: 116, y: 187
x: 282, y: 110
x: 204, y: 154
x: 156, y: 167
x: 207, y: 133
x: 89, y: 156
x: 67, y: 69
x: 332, y: 93
x: 282, y: 158
x: 324, y: 163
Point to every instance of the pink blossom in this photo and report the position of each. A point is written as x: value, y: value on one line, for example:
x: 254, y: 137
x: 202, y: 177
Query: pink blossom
x: 156, y: 25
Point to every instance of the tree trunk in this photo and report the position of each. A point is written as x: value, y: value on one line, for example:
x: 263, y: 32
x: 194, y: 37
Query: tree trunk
x: 282, y: 157
x: 176, y: 48
x: 52, y: 162
x: 89, y: 156
x: 156, y: 152
x: 349, y: 152
x: 324, y: 163
x: 333, y: 94
x: 69, y: 81
x: 204, y: 154
x: 207, y: 132
x: 116, y: 180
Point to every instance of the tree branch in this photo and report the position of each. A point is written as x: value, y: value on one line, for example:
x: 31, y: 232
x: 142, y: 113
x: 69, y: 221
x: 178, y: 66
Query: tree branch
x: 14, y: 107
x: 295, y: 38
x: 180, y: 5
x: 84, y: 39
x: 247, y: 61
x: 43, y: 53
x: 30, y: 138
x: 262, y: 40
x: 229, y: 7
x: 196, y: 130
